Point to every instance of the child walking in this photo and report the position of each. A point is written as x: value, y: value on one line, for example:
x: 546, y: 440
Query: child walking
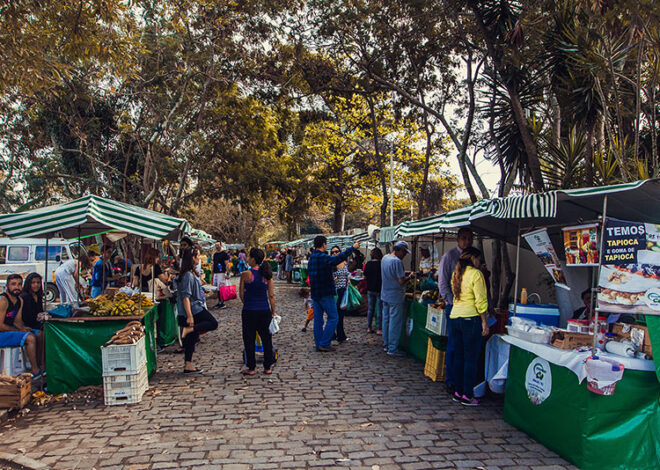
x: 307, y: 302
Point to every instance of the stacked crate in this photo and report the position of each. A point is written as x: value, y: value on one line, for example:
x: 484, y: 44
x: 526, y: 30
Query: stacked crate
x: 125, y: 377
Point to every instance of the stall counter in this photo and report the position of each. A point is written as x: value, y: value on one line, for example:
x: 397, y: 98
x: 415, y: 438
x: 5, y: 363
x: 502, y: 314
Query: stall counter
x: 592, y: 431
x: 73, y: 348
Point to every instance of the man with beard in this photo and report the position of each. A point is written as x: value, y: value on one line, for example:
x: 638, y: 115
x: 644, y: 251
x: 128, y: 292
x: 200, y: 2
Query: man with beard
x: 13, y: 332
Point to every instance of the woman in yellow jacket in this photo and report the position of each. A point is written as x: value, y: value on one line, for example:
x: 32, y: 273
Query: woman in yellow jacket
x: 468, y: 323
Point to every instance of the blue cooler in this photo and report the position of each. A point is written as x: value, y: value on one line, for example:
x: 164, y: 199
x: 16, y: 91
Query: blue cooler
x: 543, y: 314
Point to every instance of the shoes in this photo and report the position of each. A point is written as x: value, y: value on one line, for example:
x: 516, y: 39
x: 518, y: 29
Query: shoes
x: 304, y: 330
x: 38, y: 375
x: 342, y: 340
x: 385, y: 349
x: 194, y: 371
x: 465, y: 401
x: 324, y: 349
x: 396, y: 353
x: 456, y: 397
x: 379, y: 332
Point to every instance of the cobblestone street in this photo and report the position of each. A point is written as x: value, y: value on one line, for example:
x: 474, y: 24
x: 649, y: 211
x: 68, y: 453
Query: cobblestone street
x: 354, y: 407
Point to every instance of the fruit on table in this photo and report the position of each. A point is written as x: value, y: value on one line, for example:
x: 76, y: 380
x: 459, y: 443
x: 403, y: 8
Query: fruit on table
x: 121, y: 304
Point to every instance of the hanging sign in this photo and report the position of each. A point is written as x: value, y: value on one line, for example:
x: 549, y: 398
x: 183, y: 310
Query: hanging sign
x: 581, y: 245
x: 630, y: 276
x: 539, y: 242
x: 538, y: 381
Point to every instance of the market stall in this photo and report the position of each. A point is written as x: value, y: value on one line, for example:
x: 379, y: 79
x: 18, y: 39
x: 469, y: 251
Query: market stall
x: 592, y: 398
x: 70, y: 341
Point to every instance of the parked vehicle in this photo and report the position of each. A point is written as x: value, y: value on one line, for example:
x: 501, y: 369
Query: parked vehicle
x: 28, y: 255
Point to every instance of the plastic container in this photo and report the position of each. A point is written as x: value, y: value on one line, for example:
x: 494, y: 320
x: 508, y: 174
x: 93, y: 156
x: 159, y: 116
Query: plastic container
x: 434, y: 368
x: 121, y: 359
x: 543, y: 314
x: 436, y: 321
x: 577, y: 326
x: 534, y: 336
x: 603, y: 374
x: 125, y: 389
x: 13, y: 361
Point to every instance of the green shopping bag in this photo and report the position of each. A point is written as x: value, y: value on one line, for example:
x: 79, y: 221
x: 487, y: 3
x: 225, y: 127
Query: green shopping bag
x: 354, y: 297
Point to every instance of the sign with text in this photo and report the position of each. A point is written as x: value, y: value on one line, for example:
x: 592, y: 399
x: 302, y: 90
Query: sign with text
x: 581, y: 245
x: 630, y: 276
x: 539, y: 242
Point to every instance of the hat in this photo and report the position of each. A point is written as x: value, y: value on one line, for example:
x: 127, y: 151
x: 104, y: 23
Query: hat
x: 94, y: 249
x: 402, y: 245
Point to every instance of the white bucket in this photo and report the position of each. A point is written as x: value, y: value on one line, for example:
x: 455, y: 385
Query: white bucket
x: 602, y: 375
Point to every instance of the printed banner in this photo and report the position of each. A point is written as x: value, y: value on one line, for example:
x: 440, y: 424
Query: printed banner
x: 581, y: 245
x: 539, y: 242
x: 630, y: 276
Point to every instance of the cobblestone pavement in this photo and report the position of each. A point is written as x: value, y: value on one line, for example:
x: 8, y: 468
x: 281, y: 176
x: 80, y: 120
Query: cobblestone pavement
x: 354, y: 407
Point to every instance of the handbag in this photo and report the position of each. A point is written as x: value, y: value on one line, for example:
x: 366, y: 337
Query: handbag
x: 160, y: 290
x: 227, y: 293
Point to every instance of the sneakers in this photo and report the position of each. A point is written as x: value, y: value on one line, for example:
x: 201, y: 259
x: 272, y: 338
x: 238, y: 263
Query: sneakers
x: 396, y: 353
x: 465, y: 401
x: 456, y: 397
x: 304, y: 330
x: 324, y: 349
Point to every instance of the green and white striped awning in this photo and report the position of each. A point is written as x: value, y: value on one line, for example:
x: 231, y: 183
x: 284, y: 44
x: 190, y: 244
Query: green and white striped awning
x: 201, y: 236
x: 90, y: 215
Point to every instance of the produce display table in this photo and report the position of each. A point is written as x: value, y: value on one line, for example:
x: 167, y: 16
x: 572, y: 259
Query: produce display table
x: 167, y: 324
x: 414, y: 337
x: 73, y: 348
x: 592, y: 431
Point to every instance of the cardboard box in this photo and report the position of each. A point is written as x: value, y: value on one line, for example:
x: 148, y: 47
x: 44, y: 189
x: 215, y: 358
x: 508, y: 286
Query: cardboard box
x: 638, y: 334
x: 563, y: 339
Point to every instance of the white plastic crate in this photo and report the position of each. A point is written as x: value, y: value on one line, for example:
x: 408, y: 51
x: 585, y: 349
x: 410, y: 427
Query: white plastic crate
x: 14, y: 361
x: 125, y: 389
x: 436, y: 321
x: 122, y: 359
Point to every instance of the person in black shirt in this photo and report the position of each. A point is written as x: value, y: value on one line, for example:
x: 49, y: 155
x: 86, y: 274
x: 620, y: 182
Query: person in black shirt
x: 220, y: 262
x: 374, y: 280
x: 32, y: 296
x: 148, y: 271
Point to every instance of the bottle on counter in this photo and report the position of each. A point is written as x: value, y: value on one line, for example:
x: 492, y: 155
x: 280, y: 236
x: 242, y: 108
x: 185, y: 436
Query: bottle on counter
x: 523, y: 296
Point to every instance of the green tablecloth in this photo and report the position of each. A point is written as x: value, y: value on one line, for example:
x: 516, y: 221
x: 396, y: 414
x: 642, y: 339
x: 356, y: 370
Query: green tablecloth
x: 73, y: 350
x: 303, y: 277
x: 594, y: 432
x: 414, y: 338
x: 167, y: 324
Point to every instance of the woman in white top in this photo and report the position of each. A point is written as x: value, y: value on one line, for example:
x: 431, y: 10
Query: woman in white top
x: 66, y: 276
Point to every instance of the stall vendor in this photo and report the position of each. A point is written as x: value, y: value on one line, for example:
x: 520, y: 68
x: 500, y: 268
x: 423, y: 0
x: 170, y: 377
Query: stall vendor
x: 13, y: 332
x: 584, y: 312
x: 102, y: 273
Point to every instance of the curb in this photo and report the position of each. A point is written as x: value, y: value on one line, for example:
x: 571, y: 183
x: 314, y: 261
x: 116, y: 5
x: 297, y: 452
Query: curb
x: 22, y: 461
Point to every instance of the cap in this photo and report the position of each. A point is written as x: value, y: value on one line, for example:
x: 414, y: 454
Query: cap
x: 402, y: 245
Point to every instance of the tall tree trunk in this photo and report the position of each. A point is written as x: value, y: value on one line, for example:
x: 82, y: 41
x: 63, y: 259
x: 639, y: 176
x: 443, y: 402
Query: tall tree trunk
x: 379, y: 161
x: 338, y: 215
x: 531, y: 150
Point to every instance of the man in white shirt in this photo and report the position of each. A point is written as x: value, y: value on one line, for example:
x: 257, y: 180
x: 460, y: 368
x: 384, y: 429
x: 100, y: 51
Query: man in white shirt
x: 393, y: 295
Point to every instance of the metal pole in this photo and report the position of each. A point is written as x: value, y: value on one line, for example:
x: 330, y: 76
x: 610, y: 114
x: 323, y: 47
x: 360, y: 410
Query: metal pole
x: 46, y: 277
x: 594, y: 314
x: 391, y: 188
x: 515, y: 293
x: 78, y: 269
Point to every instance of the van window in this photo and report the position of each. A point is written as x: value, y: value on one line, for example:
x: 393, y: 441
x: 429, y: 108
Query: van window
x: 18, y: 253
x: 53, y: 253
x: 3, y: 254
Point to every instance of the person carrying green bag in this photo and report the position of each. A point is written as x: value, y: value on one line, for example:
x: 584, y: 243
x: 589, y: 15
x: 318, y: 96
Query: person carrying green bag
x: 340, y: 276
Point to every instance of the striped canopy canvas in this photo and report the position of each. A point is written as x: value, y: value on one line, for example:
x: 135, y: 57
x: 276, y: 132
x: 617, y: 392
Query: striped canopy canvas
x: 201, y: 236
x: 92, y: 214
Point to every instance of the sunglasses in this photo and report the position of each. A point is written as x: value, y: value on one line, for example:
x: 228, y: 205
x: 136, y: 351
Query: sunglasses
x: 334, y: 252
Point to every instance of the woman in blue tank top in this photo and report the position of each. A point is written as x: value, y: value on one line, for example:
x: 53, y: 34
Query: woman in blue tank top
x: 257, y: 293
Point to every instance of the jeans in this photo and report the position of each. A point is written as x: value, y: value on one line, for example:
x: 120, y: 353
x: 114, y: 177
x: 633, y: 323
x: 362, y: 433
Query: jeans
x: 340, y: 334
x: 323, y: 336
x: 374, y: 300
x: 96, y: 291
x: 449, y: 354
x: 393, y: 318
x: 466, y: 333
x: 204, y: 321
x: 257, y: 321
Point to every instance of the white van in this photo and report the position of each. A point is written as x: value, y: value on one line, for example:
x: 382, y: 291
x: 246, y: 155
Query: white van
x: 28, y: 255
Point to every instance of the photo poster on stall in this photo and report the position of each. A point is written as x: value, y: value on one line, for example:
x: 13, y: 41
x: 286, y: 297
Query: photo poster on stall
x: 581, y: 245
x: 629, y: 281
x: 539, y: 242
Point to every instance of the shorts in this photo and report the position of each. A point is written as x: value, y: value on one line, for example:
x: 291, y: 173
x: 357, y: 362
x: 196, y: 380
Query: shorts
x: 14, y: 339
x: 219, y: 279
x: 310, y: 313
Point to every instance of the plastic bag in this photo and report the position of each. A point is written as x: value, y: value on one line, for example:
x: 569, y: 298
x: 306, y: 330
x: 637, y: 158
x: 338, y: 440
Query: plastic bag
x: 275, y: 324
x: 227, y: 293
x: 345, y: 300
x: 354, y: 297
x: 429, y: 283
